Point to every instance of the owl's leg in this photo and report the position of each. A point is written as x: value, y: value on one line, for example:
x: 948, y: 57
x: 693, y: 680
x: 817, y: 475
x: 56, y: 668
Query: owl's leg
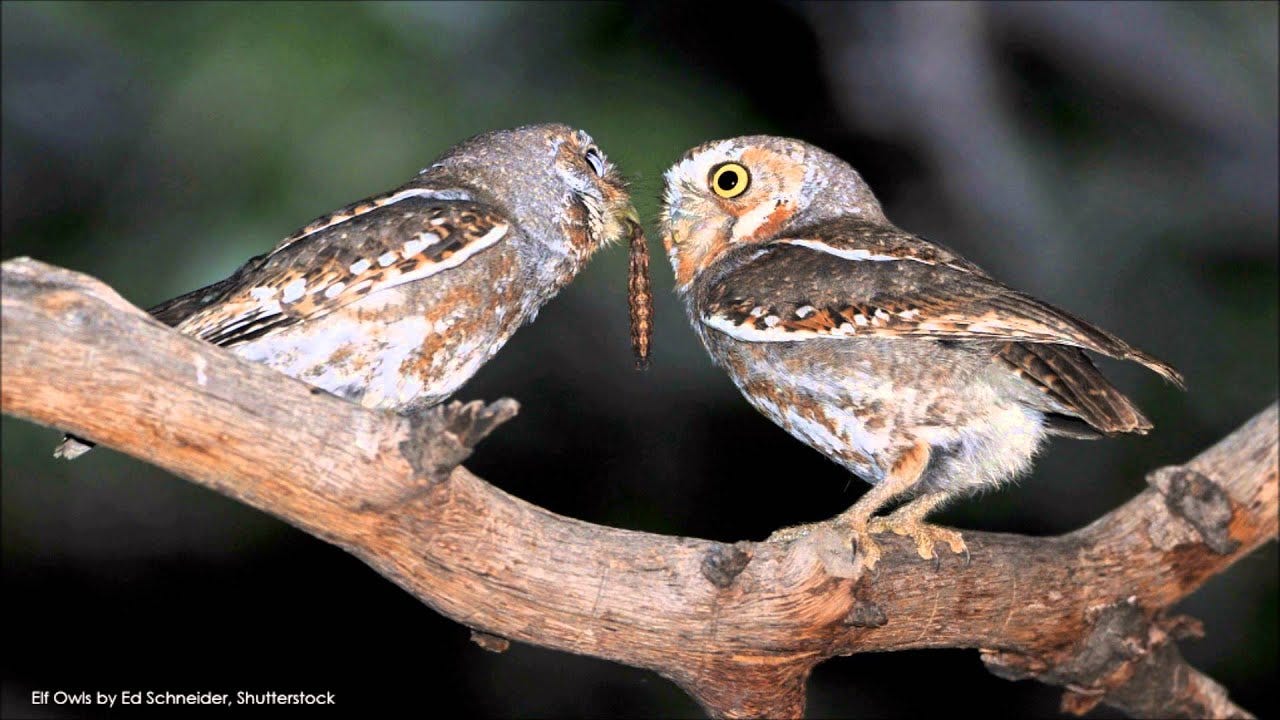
x: 905, y: 473
x: 901, y: 477
x: 908, y: 520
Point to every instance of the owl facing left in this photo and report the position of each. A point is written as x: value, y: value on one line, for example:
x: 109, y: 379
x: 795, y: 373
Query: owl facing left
x: 893, y: 356
x: 397, y: 300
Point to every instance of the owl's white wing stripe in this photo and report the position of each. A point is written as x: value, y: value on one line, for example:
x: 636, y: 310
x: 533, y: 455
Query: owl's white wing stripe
x: 749, y: 333
x: 296, y: 289
x: 369, y: 205
x: 466, y: 252
x: 856, y: 254
x: 786, y: 296
x: 331, y: 274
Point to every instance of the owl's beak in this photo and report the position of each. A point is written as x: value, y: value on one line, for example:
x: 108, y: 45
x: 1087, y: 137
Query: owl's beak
x: 623, y: 222
x: 620, y: 214
x: 633, y: 232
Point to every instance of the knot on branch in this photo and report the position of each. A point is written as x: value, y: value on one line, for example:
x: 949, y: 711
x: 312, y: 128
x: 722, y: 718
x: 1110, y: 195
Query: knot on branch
x: 444, y: 436
x: 723, y: 563
x: 1119, y: 635
x: 1128, y: 660
x: 1195, y: 500
x: 865, y: 613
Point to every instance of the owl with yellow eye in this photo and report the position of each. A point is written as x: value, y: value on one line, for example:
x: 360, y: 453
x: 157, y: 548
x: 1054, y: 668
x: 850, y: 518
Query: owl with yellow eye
x: 893, y: 356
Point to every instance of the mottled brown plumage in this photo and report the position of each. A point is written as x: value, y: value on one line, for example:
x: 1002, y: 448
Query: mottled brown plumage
x: 371, y: 252
x: 398, y: 299
x: 1076, y: 387
x: 892, y: 355
x: 929, y: 293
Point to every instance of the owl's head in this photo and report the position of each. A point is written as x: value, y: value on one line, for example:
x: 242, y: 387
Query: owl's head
x: 732, y: 193
x: 553, y: 180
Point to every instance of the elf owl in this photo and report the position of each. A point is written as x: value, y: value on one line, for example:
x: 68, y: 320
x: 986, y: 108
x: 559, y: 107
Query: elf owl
x: 397, y: 300
x: 893, y: 356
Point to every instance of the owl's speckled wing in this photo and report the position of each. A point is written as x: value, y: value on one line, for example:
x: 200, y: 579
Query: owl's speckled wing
x: 367, y: 205
x: 1073, y: 386
x: 852, y: 280
x: 173, y: 311
x: 340, y: 261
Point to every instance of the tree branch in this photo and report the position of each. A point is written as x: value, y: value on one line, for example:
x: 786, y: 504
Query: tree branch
x: 737, y: 626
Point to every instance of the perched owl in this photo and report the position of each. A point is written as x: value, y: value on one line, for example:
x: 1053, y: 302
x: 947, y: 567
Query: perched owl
x: 893, y: 356
x: 397, y: 300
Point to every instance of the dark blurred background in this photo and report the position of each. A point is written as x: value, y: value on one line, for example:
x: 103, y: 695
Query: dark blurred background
x: 1118, y: 160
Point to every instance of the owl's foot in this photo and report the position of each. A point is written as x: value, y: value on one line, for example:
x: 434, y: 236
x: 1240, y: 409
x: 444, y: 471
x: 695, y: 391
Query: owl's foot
x: 856, y: 522
x: 866, y: 548
x: 927, y: 536
x: 860, y: 543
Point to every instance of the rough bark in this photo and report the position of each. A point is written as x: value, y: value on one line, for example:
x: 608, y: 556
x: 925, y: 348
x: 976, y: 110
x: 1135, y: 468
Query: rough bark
x: 737, y: 626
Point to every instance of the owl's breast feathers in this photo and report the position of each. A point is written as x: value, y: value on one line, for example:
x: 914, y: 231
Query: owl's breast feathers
x: 851, y: 279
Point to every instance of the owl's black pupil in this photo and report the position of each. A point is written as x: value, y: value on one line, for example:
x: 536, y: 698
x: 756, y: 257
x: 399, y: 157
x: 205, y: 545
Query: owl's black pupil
x: 727, y: 181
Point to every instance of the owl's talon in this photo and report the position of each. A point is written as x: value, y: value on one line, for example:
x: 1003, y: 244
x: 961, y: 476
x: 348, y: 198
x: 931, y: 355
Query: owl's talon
x: 926, y: 536
x: 955, y: 541
x: 867, y: 549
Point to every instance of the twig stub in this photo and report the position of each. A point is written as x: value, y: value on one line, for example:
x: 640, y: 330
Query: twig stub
x: 492, y: 643
x: 866, y: 614
x: 442, y: 437
x: 1198, y: 500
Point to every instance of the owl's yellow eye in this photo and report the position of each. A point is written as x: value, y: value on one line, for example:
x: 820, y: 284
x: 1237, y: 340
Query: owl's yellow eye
x: 730, y: 180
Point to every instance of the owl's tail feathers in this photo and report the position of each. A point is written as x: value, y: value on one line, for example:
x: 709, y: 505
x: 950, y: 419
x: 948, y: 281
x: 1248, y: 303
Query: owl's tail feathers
x: 1070, y: 427
x: 1158, y: 366
x: 72, y: 447
x: 1108, y: 344
x: 1075, y: 388
x: 1082, y: 333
